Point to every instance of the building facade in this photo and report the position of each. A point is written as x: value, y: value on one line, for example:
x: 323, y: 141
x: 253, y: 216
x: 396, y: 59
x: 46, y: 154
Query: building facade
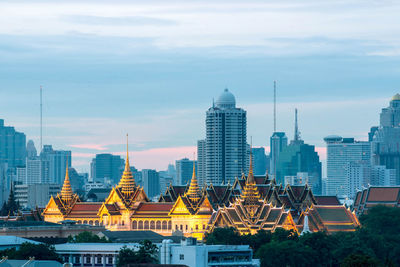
x: 12, y: 146
x: 184, y: 169
x: 57, y: 160
x: 278, y: 142
x: 226, y: 146
x: 201, y: 161
x: 340, y: 153
x: 35, y: 195
x: 107, y: 168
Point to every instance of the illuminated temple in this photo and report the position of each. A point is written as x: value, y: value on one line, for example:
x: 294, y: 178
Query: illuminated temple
x: 251, y: 203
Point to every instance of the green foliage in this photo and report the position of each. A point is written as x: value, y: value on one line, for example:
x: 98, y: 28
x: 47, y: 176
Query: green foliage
x: 376, y: 243
x: 27, y: 250
x: 87, y: 237
x: 10, y: 207
x: 147, y: 253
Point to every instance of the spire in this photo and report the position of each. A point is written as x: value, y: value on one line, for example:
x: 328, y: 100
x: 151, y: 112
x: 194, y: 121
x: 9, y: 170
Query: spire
x: 296, y: 128
x: 127, y: 183
x: 194, y: 191
x: 306, y: 228
x: 66, y: 191
x: 250, y: 192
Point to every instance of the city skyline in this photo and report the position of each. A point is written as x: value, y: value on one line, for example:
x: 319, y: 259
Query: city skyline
x: 114, y: 64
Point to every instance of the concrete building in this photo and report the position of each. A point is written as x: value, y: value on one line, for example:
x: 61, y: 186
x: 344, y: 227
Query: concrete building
x: 381, y: 176
x: 12, y: 147
x: 35, y: 195
x: 201, y: 161
x: 193, y: 255
x: 260, y: 161
x: 278, y: 142
x: 57, y: 160
x: 358, y: 176
x: 184, y: 170
x: 340, y: 153
x: 151, y: 182
x: 5, y: 183
x: 107, y: 168
x: 226, y: 146
x: 385, y: 145
x: 31, y: 151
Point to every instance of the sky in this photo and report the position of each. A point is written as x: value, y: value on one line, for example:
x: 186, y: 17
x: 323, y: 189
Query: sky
x: 153, y: 68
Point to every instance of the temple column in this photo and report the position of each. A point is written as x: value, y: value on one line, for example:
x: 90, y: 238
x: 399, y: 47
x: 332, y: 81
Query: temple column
x: 93, y: 259
x: 104, y: 260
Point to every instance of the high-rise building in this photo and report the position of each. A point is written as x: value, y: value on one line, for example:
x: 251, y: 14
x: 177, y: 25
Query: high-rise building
x: 260, y: 161
x: 358, y: 176
x: 340, y: 153
x: 382, y: 176
x: 385, y: 145
x: 201, y: 161
x: 5, y: 182
x: 12, y: 147
x: 298, y: 158
x: 151, y: 182
x: 184, y: 170
x: 278, y: 142
x: 31, y: 151
x: 35, y: 195
x: 107, y: 168
x: 57, y: 161
x: 226, y: 146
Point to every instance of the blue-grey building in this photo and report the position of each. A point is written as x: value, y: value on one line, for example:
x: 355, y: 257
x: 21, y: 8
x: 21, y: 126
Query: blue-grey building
x: 12, y: 146
x: 184, y: 170
x: 107, y: 168
x: 151, y: 182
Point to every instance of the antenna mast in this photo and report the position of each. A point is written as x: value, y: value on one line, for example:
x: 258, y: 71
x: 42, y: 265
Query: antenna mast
x: 41, y: 121
x: 296, y: 128
x: 274, y: 106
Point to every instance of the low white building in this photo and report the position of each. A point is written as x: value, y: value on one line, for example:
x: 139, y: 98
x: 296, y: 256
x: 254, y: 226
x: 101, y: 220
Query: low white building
x: 193, y: 255
x: 92, y: 254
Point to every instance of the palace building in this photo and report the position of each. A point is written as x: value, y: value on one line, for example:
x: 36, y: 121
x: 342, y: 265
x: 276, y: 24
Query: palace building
x: 250, y: 204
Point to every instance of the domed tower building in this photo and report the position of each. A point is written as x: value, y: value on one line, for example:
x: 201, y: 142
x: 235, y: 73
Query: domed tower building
x: 226, y: 150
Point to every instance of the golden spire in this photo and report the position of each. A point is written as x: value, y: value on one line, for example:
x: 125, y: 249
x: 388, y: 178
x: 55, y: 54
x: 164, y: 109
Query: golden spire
x: 250, y: 192
x: 127, y: 183
x: 194, y: 191
x: 66, y: 191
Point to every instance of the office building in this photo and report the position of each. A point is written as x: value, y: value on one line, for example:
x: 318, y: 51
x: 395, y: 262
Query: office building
x: 260, y: 161
x: 358, y: 176
x: 5, y: 183
x: 201, y: 161
x: 184, y: 170
x: 340, y: 153
x: 165, y: 180
x: 226, y: 146
x: 381, y: 176
x: 31, y: 151
x: 12, y: 147
x: 385, y: 148
x: 151, y: 182
x: 57, y: 161
x: 31, y: 196
x: 278, y: 142
x: 107, y: 168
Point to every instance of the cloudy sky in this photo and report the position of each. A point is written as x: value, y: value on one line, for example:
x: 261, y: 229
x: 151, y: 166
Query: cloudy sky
x: 152, y: 68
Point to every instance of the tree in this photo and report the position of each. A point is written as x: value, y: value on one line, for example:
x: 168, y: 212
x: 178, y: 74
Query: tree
x: 27, y: 250
x: 10, y: 207
x: 147, y: 253
x: 87, y: 237
x: 224, y: 236
x: 359, y: 260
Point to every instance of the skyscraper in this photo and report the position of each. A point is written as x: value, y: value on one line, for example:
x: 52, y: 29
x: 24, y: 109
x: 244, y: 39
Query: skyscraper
x: 201, y: 161
x: 151, y: 182
x: 278, y: 142
x: 299, y: 160
x: 12, y: 147
x: 385, y: 145
x: 107, y: 168
x: 31, y: 151
x: 260, y: 161
x: 226, y: 146
x: 184, y: 170
x: 57, y: 162
x: 340, y: 153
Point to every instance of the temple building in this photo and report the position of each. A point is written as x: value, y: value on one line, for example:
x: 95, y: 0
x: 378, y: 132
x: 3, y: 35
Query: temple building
x: 250, y: 204
x: 376, y: 195
x: 250, y: 212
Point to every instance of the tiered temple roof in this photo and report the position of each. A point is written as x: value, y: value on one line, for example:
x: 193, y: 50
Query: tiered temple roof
x: 376, y: 195
x: 250, y: 212
x: 329, y: 218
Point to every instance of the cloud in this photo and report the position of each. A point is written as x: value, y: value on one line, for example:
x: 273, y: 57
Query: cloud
x: 89, y: 146
x: 120, y: 21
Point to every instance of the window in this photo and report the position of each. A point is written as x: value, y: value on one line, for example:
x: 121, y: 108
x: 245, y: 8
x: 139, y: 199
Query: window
x: 181, y: 257
x: 110, y: 260
x: 197, y: 227
x: 186, y: 227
